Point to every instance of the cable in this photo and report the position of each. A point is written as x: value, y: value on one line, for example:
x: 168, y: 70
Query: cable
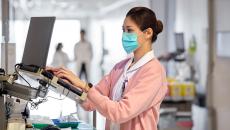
x: 56, y: 98
x: 59, y: 98
x: 15, y: 67
x: 49, y: 83
x: 8, y: 106
x: 34, y: 105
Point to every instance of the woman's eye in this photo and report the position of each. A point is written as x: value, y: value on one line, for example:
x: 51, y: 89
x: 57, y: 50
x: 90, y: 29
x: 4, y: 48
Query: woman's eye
x: 129, y: 30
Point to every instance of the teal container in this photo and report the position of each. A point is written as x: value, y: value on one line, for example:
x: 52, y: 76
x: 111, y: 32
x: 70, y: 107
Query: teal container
x: 73, y: 125
x: 39, y: 126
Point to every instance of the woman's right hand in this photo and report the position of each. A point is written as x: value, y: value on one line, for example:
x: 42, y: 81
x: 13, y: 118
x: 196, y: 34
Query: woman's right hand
x: 68, y: 76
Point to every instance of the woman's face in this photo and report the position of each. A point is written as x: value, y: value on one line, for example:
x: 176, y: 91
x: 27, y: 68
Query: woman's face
x: 129, y: 26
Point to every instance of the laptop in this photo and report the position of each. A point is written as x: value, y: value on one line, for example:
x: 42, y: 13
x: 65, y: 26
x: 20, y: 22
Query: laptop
x: 36, y: 52
x: 37, y: 43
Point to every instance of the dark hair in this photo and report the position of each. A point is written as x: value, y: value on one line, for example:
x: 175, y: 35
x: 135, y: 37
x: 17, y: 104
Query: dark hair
x: 59, y: 46
x: 146, y: 18
x: 82, y: 31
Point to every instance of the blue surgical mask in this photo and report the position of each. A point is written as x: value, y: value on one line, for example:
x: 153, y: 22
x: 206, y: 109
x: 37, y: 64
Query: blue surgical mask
x: 129, y: 42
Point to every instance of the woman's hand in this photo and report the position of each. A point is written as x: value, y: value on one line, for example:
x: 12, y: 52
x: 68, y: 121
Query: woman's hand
x: 68, y: 76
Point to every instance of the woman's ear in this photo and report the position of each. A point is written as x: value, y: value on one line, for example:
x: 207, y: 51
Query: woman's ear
x: 148, y: 33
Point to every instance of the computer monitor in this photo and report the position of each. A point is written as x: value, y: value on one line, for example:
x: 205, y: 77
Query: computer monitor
x: 35, y: 56
x: 38, y: 41
x: 179, y: 41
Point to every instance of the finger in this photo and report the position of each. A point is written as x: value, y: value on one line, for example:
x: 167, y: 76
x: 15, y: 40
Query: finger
x: 62, y: 72
x: 48, y: 68
x: 61, y: 75
x: 55, y: 73
x: 65, y: 78
x: 62, y: 68
x: 65, y: 69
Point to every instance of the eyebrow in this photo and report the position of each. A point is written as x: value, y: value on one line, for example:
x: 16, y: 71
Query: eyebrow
x: 127, y: 26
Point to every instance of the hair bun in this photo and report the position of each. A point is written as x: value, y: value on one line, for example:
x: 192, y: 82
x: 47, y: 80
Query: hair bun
x: 159, y: 27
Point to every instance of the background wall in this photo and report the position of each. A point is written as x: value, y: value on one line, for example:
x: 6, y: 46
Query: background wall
x: 221, y: 75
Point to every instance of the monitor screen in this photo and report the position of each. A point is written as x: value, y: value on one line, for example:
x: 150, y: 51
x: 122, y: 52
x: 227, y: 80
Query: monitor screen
x: 38, y: 41
x: 179, y: 40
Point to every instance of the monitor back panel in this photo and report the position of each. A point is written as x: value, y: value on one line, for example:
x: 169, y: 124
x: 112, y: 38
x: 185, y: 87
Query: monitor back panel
x: 38, y: 41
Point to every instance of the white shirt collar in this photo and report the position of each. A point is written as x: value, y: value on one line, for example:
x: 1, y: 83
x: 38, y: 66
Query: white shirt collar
x: 146, y: 58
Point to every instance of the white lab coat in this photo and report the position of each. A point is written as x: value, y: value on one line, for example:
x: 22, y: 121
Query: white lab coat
x: 60, y: 59
x: 83, y: 54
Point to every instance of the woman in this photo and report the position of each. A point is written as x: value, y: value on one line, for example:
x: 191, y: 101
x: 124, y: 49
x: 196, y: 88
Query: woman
x: 130, y: 95
x: 60, y: 58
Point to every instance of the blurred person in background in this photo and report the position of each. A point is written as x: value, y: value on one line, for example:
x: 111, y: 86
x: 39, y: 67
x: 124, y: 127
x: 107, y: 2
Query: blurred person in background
x: 60, y: 57
x: 83, y: 55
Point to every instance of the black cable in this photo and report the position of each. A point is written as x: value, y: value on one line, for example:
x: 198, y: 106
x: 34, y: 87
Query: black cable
x: 15, y: 67
x: 8, y: 108
x: 34, y: 105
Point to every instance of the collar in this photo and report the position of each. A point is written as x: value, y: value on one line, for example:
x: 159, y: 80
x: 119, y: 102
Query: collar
x: 143, y: 60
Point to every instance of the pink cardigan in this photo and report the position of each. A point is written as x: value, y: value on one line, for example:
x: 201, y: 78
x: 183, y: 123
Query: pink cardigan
x: 139, y: 107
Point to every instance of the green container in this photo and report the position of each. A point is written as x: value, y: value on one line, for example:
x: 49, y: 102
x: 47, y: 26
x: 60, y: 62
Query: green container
x: 39, y: 126
x: 73, y: 125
